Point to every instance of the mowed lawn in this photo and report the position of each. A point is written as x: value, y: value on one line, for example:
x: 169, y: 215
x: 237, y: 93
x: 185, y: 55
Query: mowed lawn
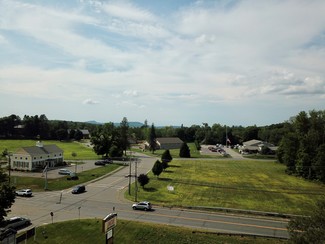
x: 81, y: 151
x: 241, y: 184
x: 86, y: 231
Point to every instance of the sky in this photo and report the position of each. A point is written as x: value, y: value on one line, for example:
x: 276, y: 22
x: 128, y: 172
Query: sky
x: 167, y: 62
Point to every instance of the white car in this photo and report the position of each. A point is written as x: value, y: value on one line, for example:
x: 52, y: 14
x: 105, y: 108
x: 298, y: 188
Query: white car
x: 24, y: 193
x: 64, y: 172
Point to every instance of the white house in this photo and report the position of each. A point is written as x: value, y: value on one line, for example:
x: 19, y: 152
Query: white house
x: 255, y: 146
x: 36, y: 157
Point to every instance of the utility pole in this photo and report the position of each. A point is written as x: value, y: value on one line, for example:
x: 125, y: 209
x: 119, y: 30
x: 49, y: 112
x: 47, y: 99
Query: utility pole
x: 9, y: 166
x: 45, y: 187
x: 136, y: 180
x: 129, y: 176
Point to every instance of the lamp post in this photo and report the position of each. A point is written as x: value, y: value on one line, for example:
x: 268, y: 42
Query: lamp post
x: 9, y: 166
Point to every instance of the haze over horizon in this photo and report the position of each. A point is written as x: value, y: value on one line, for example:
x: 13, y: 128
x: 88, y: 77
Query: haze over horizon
x: 168, y: 62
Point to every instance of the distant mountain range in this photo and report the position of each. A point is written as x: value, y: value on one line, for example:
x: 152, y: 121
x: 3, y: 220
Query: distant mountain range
x: 131, y: 124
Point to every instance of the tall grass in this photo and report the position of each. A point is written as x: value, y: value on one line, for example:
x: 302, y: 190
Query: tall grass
x: 253, y: 185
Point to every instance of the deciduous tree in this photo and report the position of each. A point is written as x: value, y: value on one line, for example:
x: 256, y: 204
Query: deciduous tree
x: 143, y: 180
x: 309, y: 229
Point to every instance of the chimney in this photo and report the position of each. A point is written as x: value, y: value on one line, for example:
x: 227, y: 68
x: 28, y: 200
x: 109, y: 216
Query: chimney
x: 39, y: 144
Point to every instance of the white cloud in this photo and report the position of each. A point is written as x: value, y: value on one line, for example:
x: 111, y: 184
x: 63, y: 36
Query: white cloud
x: 127, y: 11
x: 200, y: 56
x: 132, y: 93
x: 90, y: 101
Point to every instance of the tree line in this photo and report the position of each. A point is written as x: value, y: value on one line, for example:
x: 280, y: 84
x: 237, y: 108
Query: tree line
x: 39, y: 127
x: 301, y: 139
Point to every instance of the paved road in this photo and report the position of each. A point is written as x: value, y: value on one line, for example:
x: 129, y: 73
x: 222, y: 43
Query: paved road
x: 106, y: 196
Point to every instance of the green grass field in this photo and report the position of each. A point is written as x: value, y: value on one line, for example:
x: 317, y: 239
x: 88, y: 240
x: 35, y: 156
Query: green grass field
x: 89, y: 231
x: 82, y: 152
x: 175, y: 152
x: 244, y: 184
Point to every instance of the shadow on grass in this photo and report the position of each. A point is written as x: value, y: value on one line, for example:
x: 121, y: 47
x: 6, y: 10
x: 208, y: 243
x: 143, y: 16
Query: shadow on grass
x: 168, y: 171
x: 174, y: 166
x: 165, y: 179
x: 149, y: 189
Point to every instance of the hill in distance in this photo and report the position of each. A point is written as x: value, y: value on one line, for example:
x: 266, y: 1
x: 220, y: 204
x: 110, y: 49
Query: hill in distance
x: 131, y: 124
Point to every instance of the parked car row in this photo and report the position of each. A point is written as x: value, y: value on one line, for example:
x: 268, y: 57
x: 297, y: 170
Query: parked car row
x: 218, y: 150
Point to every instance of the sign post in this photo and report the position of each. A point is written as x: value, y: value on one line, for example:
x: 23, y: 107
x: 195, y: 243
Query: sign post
x: 108, y: 225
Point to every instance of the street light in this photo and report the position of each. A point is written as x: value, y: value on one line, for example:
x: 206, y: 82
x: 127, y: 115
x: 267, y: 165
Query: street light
x: 9, y: 165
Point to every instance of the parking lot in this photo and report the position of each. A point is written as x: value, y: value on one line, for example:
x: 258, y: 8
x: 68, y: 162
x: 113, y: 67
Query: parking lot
x: 53, y: 173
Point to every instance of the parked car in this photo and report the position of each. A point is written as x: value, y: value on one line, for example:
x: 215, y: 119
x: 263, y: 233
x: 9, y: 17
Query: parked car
x: 16, y: 223
x: 78, y: 189
x: 104, y: 162
x: 101, y: 163
x: 142, y: 206
x: 64, y: 172
x: 24, y: 193
x: 108, y: 161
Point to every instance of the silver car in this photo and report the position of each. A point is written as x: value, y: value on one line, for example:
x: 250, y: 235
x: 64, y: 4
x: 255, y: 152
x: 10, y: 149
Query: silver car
x: 142, y: 206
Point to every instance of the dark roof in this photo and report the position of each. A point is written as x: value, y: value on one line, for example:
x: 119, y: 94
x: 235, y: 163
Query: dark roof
x: 46, y: 149
x: 163, y: 140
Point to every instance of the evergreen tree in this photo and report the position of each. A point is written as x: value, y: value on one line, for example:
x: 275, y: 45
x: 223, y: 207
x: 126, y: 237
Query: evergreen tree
x: 166, y: 157
x: 124, y: 134
x: 152, y: 139
x: 184, y: 151
x: 157, y: 168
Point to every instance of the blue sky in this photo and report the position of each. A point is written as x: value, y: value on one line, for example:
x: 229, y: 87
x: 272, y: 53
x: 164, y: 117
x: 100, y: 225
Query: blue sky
x: 168, y: 62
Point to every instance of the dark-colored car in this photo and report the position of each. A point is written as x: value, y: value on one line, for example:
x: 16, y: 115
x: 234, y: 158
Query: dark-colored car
x: 78, y: 189
x: 142, y: 206
x: 104, y: 162
x: 100, y: 163
x: 16, y: 223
